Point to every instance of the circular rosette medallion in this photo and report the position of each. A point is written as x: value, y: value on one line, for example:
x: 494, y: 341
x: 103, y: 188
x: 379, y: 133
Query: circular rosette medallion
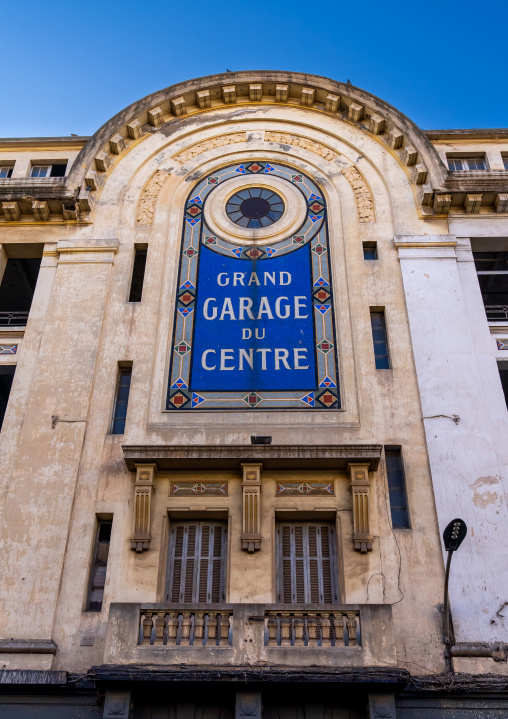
x: 255, y: 207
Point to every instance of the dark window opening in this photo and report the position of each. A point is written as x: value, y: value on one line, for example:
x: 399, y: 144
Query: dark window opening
x: 197, y: 562
x: 17, y: 290
x: 380, y: 339
x: 99, y: 566
x: 5, y: 172
x: 121, y: 400
x: 492, y: 271
x: 503, y: 373
x: 58, y: 170
x: 6, y: 377
x: 138, y: 276
x: 397, y: 488
x: 307, y: 567
x: 370, y: 251
x: 505, y: 162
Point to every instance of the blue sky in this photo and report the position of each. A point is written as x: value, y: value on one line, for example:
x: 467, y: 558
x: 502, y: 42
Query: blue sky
x: 67, y: 67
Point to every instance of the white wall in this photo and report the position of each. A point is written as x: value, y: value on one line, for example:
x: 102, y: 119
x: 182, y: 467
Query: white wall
x: 458, y: 379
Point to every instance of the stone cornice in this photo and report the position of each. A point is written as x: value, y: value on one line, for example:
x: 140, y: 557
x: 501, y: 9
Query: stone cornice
x: 273, y: 456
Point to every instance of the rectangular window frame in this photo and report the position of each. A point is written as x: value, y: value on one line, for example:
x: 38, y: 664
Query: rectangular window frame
x: 124, y: 369
x: 280, y: 589
x: 6, y: 171
x: 370, y: 247
x: 99, y: 522
x: 466, y: 160
x: 379, y: 359
x: 197, y: 559
x: 495, y: 313
x: 397, y: 449
x: 49, y: 166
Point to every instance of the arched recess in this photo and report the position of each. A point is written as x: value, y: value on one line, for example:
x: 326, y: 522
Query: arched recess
x: 186, y: 105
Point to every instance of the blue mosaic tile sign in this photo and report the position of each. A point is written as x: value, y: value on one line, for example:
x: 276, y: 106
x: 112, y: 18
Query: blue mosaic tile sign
x: 254, y: 325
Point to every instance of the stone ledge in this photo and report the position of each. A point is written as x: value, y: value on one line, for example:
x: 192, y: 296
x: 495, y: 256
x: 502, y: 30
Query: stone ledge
x: 27, y: 646
x: 273, y: 456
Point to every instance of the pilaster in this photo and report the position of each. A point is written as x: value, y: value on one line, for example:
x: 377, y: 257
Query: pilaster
x: 251, y: 502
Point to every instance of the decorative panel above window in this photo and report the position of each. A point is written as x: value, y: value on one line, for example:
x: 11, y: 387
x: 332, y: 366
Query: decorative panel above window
x: 254, y: 324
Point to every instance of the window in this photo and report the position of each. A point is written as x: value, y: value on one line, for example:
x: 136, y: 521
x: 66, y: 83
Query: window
x: 99, y: 566
x: 5, y: 171
x: 503, y: 373
x: 54, y: 170
x: 138, y: 275
x: 121, y: 400
x: 380, y: 339
x: 467, y: 163
x: 505, y: 162
x: 397, y: 488
x: 492, y: 271
x: 17, y: 289
x: 6, y: 377
x: 370, y: 251
x: 197, y: 562
x: 306, y: 554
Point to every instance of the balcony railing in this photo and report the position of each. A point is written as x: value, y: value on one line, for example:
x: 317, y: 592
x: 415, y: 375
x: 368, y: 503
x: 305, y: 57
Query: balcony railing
x: 185, y: 628
x: 496, y: 313
x: 249, y: 634
x: 312, y: 629
x: 17, y: 319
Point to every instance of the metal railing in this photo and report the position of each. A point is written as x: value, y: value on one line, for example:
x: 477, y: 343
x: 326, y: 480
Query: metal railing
x: 496, y: 313
x: 312, y: 629
x: 13, y: 318
x: 185, y: 628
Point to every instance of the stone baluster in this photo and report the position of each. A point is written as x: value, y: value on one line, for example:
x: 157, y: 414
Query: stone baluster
x: 224, y: 627
x: 147, y: 626
x: 338, y: 629
x: 312, y: 627
x: 186, y: 627
x: 298, y: 624
x: 285, y: 622
x: 179, y: 630
x: 159, y: 627
x: 212, y: 627
x: 172, y: 627
x: 198, y: 628
x: 165, y: 633
x: 153, y: 629
x: 192, y: 629
x: 351, y: 629
x: 326, y: 638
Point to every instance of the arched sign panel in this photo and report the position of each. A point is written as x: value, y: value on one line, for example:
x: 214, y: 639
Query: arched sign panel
x: 254, y: 322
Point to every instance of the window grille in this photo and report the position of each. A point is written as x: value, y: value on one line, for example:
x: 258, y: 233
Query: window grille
x: 467, y: 163
x: 492, y: 271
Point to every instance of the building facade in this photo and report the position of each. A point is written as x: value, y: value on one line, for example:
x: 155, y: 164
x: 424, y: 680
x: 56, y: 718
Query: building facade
x: 252, y: 363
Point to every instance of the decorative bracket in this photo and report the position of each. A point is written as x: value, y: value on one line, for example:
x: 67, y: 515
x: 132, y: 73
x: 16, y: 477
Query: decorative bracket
x: 251, y: 490
x: 143, y: 489
x: 360, y: 487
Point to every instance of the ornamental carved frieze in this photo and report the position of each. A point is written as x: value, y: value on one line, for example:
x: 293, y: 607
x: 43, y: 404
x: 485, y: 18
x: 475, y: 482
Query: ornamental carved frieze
x: 317, y: 148
x: 200, y: 147
x: 149, y: 196
x: 362, y: 193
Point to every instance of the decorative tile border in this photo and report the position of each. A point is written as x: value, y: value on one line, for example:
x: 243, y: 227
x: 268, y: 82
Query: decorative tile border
x: 196, y: 489
x: 8, y: 349
x: 299, y: 489
x: 502, y: 344
x: 313, y: 237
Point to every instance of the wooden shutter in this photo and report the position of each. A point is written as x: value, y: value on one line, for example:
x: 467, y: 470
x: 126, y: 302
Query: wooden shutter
x: 197, y: 563
x: 307, y: 568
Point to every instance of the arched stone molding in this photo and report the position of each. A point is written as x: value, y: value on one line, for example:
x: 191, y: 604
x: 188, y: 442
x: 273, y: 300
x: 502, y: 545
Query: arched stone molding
x: 168, y: 110
x: 361, y: 189
x: 381, y: 173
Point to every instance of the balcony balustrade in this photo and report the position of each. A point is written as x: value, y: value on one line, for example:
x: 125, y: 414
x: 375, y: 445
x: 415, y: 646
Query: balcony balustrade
x: 13, y: 319
x: 250, y: 634
x: 496, y: 313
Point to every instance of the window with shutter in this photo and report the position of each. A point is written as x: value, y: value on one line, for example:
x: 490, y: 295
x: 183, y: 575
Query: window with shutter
x: 307, y: 568
x: 197, y: 562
